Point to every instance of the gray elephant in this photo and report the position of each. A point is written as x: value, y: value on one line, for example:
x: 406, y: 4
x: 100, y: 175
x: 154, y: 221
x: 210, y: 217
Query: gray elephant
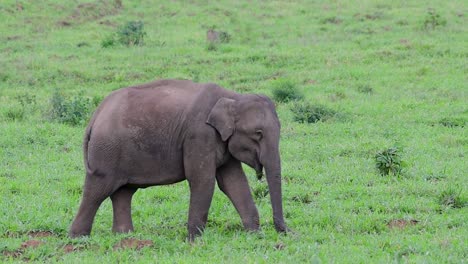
x: 168, y: 131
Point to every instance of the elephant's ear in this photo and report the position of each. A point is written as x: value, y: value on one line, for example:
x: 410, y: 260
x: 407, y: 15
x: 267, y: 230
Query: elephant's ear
x: 222, y: 117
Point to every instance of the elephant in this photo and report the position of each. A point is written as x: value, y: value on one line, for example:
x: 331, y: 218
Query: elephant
x: 168, y: 131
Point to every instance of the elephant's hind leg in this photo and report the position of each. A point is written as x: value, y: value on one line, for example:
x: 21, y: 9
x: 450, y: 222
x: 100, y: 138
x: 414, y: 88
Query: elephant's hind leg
x: 121, y: 205
x: 96, y: 189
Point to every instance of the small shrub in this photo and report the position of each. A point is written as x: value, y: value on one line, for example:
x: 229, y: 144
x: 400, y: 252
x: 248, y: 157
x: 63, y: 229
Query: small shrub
x: 132, y: 33
x: 26, y: 100
x: 73, y: 111
x: 15, y: 113
x: 27, y: 104
x: 224, y: 37
x: 388, y: 161
x: 308, y: 113
x: 302, y: 198
x: 452, y: 122
x: 109, y: 41
x: 434, y: 177
x: 211, y: 46
x: 433, y: 20
x: 217, y: 36
x: 97, y: 99
x: 365, y: 89
x: 285, y: 91
x: 452, y: 198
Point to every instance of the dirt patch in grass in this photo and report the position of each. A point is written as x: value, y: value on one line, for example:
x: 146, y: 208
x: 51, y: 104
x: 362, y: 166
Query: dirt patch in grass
x: 86, y: 12
x: 401, y: 223
x: 31, y: 244
x: 69, y: 248
x: 132, y: 243
x: 12, y: 253
x: 40, y: 233
x: 64, y: 23
x: 15, y: 37
x: 19, y: 252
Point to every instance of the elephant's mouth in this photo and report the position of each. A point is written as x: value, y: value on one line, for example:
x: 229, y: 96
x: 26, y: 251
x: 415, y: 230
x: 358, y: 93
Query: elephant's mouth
x: 259, y: 175
x: 258, y: 168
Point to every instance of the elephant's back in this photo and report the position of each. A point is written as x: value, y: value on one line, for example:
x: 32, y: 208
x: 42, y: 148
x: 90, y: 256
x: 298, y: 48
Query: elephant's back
x: 145, y: 121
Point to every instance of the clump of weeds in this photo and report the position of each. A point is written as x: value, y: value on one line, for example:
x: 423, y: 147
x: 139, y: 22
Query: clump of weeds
x: 452, y: 198
x: 365, y: 89
x: 388, y: 161
x: 285, y: 90
x: 131, y: 33
x: 452, y: 122
x: 215, y: 37
x: 433, y: 20
x: 305, y: 112
x: 26, y: 104
x: 74, y: 110
x: 260, y: 191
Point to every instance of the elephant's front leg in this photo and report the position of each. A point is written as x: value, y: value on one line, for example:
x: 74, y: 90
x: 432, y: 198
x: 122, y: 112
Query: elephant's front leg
x: 233, y: 182
x: 200, y: 169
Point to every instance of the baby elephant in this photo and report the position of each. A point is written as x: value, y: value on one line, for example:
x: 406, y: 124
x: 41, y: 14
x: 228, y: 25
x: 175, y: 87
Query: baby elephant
x: 168, y: 131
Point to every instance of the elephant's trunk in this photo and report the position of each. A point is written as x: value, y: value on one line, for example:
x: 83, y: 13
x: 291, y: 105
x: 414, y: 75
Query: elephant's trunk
x: 272, y: 164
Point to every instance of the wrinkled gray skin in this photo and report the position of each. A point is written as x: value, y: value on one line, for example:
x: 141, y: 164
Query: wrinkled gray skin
x: 173, y: 130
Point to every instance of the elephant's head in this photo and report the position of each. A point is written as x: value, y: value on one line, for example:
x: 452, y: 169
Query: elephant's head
x: 251, y: 128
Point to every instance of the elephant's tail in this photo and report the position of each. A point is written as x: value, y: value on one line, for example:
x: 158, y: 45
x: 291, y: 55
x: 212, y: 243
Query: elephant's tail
x: 86, y: 139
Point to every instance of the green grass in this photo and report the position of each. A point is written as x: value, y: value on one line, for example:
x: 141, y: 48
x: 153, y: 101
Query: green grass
x: 397, y: 71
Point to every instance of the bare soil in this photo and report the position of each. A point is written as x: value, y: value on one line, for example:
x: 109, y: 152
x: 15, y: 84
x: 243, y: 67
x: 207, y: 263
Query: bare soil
x: 132, y: 243
x: 401, y: 223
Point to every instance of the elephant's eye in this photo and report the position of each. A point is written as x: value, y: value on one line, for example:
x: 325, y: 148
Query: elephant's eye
x: 259, y: 134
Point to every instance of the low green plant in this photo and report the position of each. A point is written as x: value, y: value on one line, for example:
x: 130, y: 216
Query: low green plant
x: 15, y: 113
x: 211, y: 46
x: 302, y: 198
x: 365, y: 89
x: 452, y: 198
x: 26, y: 104
x: 224, y: 37
x: 388, y: 161
x: 130, y: 34
x: 260, y: 191
x: 285, y: 90
x: 305, y: 112
x: 433, y: 19
x: 215, y: 38
x: 73, y: 110
x: 452, y: 122
x: 108, y: 41
x: 26, y: 100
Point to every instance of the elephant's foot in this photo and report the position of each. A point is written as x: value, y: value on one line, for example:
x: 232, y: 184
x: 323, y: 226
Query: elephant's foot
x: 122, y: 228
x: 252, y: 224
x: 76, y: 232
x: 194, y: 232
x: 282, y: 228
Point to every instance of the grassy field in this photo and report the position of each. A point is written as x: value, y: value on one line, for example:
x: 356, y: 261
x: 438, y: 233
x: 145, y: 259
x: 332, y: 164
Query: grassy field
x: 391, y: 74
